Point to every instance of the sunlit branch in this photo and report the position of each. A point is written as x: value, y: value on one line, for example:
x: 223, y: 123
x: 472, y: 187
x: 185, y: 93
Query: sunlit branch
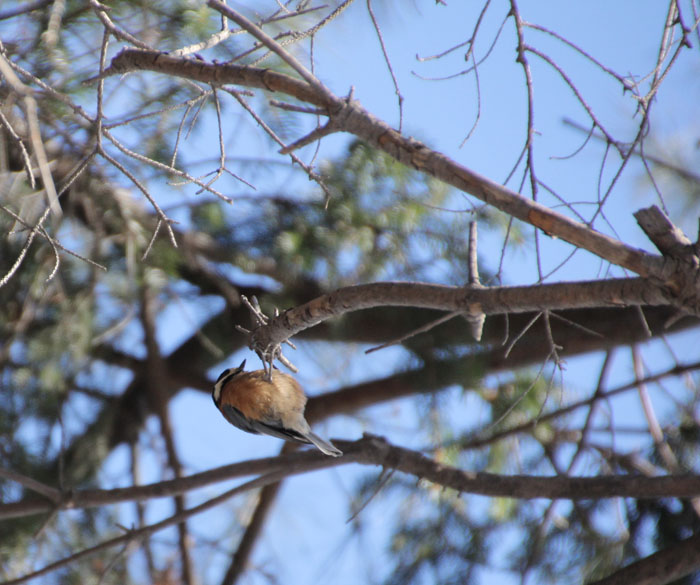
x: 492, y: 300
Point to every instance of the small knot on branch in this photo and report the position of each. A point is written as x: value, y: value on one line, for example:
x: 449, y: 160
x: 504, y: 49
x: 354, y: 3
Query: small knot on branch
x: 475, y: 317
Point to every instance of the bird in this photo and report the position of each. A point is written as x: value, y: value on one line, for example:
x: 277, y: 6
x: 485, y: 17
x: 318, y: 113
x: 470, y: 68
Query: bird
x: 251, y: 402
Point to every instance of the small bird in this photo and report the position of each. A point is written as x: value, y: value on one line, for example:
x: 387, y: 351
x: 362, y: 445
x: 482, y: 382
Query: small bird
x: 252, y: 403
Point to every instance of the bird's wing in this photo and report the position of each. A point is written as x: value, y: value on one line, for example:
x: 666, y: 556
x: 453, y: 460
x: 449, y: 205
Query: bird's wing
x: 273, y: 428
x: 236, y: 418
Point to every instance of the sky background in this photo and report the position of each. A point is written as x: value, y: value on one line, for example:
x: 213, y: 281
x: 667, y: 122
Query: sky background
x: 308, y: 539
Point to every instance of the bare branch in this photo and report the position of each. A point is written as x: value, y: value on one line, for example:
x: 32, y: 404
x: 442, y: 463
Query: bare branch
x: 380, y: 38
x: 23, y: 151
x: 477, y: 442
x: 91, y: 498
x: 25, y: 248
x: 273, y: 45
x: 32, y: 484
x: 156, y: 380
x: 150, y: 529
x: 669, y: 239
x: 475, y: 317
x: 52, y: 241
x: 376, y: 451
x: 119, y: 33
x: 662, y: 567
x: 354, y: 119
x: 425, y: 328
x: 29, y: 7
x: 266, y: 499
x: 160, y: 166
x: 492, y: 300
x: 32, y: 112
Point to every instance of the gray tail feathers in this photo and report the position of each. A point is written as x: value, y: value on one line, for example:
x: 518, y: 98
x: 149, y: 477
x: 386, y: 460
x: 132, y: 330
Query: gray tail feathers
x: 323, y: 446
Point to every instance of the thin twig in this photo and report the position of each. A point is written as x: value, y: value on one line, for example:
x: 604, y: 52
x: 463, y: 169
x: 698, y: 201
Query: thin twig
x: 53, y: 241
x: 382, y: 480
x: 30, y: 483
x: 525, y: 329
x: 145, y: 191
x: 23, y: 151
x: 158, y: 165
x: 423, y: 329
x: 273, y: 45
x: 380, y: 38
x: 119, y: 33
x: 307, y: 169
x: 151, y: 528
x: 18, y: 262
x: 32, y: 112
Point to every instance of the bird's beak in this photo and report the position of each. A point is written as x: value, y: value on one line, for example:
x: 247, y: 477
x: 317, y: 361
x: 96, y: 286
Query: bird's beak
x: 240, y: 368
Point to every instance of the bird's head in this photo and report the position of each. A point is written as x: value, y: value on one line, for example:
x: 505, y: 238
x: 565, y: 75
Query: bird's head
x: 226, y: 376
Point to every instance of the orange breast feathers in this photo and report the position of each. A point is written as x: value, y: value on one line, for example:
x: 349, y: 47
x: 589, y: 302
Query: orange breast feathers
x: 281, y: 400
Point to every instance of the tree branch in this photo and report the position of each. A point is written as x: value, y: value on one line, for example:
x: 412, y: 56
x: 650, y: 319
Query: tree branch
x: 156, y: 382
x: 661, y: 567
x: 376, y: 451
x: 372, y: 450
x: 91, y: 498
x: 263, y: 507
x: 49, y: 492
x: 150, y: 529
x: 273, y: 45
x: 492, y: 300
x: 350, y: 117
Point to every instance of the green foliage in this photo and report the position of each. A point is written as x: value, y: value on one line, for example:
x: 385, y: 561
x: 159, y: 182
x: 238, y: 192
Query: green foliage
x: 379, y: 223
x: 436, y: 537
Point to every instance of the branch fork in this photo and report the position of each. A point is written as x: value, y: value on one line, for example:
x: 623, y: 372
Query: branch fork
x: 267, y: 352
x: 679, y: 273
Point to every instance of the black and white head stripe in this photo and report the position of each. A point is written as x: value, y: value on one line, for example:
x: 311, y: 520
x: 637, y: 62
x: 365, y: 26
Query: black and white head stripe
x: 224, y: 378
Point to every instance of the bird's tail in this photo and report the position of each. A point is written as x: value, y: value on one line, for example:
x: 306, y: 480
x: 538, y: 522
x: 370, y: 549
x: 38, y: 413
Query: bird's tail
x: 324, y: 446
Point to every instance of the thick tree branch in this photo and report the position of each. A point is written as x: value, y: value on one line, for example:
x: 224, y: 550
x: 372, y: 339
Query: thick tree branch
x: 662, y: 567
x: 349, y: 116
x: 91, y: 498
x: 492, y: 300
x: 681, y: 257
x: 376, y: 451
x: 372, y: 450
x: 669, y: 239
x: 579, y: 331
x: 204, y: 72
